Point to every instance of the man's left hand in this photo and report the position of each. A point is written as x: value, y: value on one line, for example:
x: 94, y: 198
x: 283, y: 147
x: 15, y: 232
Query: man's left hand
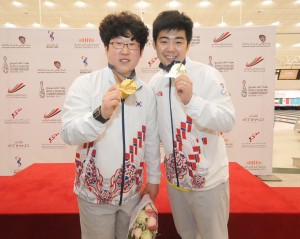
x: 152, y: 190
x: 184, y: 88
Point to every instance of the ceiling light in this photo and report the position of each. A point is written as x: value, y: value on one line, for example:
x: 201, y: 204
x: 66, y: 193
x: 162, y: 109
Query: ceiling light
x: 49, y: 4
x: 204, y: 3
x: 90, y: 25
x: 267, y: 2
x: 297, y: 2
x: 298, y: 24
x: 36, y: 25
x: 278, y: 45
x: 80, y: 4
x: 277, y: 23
x: 197, y: 24
x: 248, y: 24
x: 9, y: 25
x: 111, y: 4
x: 222, y: 23
x: 142, y: 4
x: 63, y: 25
x: 297, y: 45
x: 235, y: 3
x: 174, y: 4
x: 17, y: 4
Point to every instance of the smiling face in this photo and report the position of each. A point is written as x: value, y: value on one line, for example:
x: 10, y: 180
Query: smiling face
x: 124, y: 60
x: 171, y: 46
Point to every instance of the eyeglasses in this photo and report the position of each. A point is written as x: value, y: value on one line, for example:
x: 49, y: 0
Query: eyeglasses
x: 120, y: 45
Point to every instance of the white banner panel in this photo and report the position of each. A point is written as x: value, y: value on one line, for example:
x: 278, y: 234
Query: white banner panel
x: 38, y: 66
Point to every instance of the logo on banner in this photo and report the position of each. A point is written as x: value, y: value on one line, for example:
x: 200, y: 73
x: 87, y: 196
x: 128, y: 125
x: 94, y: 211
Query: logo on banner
x: 254, y: 90
x: 51, y: 35
x: 16, y: 118
x: 255, y: 62
x: 16, y: 112
x: 221, y: 66
x: 42, y: 90
x: 151, y: 66
x: 20, y: 43
x: 52, y: 113
x: 5, y: 68
x: 16, y: 88
x: 218, y: 42
x: 19, y: 144
x: 253, y: 162
x: 254, y: 141
x: 261, y: 42
x: 22, y: 40
x: 223, y: 90
x: 152, y: 61
x: 51, y: 39
x: 244, y: 89
x: 84, y: 60
x: 14, y: 67
x: 57, y: 64
x: 15, y: 92
x: 262, y: 38
x: 56, y: 70
x: 253, y: 118
x: 48, y: 118
x: 18, y: 161
x: 51, y: 91
x: 52, y: 142
x: 195, y: 40
x: 255, y: 165
x: 53, y: 137
x: 86, y: 42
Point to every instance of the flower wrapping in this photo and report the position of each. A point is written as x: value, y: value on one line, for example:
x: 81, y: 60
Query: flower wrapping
x: 144, y: 220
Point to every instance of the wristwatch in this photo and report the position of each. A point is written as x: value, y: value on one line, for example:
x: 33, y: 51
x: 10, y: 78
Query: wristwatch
x: 97, y: 115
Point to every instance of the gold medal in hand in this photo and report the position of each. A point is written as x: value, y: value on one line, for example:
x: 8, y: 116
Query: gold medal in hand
x: 127, y: 87
x: 176, y: 70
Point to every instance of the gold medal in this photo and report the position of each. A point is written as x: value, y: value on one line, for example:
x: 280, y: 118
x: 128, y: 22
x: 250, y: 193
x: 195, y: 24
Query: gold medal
x: 176, y: 70
x: 127, y: 87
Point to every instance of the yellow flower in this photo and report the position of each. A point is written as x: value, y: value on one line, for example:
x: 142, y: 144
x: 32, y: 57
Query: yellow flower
x: 147, y: 235
x: 137, y: 233
x: 142, y: 218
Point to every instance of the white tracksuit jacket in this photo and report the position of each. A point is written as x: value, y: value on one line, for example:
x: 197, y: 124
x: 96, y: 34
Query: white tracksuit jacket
x: 195, y: 130
x: 122, y: 144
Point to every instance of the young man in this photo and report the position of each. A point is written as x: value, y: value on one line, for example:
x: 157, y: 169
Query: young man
x: 110, y: 115
x: 193, y: 111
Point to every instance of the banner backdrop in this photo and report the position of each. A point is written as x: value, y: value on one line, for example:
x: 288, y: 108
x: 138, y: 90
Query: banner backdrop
x: 39, y: 65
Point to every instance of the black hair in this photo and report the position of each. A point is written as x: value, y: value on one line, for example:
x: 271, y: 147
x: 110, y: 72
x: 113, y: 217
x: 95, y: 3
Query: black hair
x: 124, y: 24
x: 173, y: 20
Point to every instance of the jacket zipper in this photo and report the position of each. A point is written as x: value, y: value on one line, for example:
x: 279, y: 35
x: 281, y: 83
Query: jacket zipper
x: 173, y: 141
x: 124, y: 151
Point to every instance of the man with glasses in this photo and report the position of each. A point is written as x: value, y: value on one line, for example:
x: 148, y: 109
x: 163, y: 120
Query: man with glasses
x: 194, y: 109
x: 110, y: 115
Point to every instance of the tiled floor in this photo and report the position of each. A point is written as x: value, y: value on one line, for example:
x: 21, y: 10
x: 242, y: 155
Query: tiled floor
x: 286, y: 146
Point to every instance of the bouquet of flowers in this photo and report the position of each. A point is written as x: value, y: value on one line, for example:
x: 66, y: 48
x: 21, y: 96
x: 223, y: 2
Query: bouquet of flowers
x: 143, y: 221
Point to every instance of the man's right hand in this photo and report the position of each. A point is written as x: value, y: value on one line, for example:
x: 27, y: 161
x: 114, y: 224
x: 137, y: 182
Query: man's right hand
x: 110, y: 101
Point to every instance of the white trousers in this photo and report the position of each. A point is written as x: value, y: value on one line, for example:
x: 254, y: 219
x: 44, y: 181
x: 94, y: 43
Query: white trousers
x: 201, y: 215
x: 105, y: 221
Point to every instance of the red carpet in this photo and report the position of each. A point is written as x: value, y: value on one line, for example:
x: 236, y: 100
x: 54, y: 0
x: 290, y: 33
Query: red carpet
x: 39, y: 203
